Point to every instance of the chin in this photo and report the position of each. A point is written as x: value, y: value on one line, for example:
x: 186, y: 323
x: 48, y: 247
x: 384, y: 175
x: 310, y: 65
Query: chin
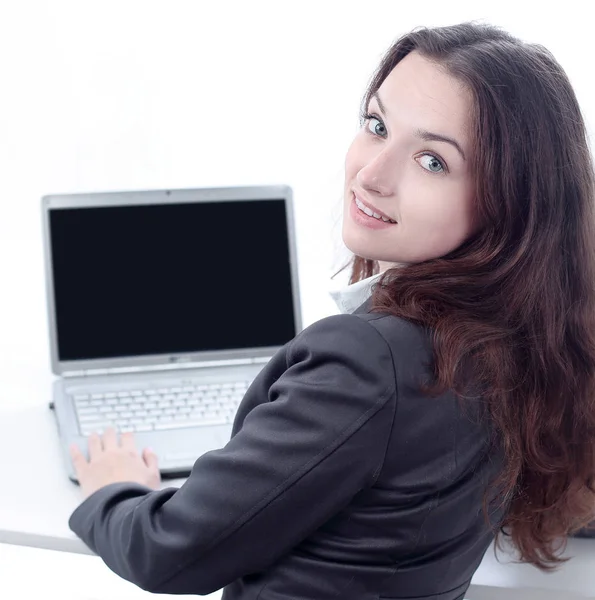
x: 358, y: 247
x: 366, y: 253
x: 350, y: 243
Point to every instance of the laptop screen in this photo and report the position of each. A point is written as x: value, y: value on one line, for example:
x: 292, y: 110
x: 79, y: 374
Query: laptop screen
x: 171, y: 278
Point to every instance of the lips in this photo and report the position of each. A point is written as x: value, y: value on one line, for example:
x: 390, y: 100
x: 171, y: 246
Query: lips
x: 372, y: 212
x: 362, y: 219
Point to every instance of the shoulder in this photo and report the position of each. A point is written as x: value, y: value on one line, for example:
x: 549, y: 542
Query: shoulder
x: 367, y: 336
x: 399, y: 334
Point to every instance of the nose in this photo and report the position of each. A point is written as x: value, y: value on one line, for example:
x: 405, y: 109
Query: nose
x: 377, y: 176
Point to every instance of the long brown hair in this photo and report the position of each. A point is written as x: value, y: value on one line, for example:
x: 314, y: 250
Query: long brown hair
x: 516, y: 301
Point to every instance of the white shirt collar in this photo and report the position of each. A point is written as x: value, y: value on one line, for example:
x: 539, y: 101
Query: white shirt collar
x: 350, y: 297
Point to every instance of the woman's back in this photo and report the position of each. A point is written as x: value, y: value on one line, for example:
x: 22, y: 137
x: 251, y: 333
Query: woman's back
x: 419, y: 530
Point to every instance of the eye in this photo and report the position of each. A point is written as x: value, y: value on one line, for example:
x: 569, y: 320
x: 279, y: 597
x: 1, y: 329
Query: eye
x: 375, y: 125
x: 431, y: 163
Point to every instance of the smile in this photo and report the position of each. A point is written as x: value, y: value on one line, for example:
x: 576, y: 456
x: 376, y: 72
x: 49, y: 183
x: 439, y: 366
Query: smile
x: 370, y: 212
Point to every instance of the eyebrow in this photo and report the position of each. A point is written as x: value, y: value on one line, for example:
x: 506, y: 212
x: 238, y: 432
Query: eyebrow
x: 426, y: 136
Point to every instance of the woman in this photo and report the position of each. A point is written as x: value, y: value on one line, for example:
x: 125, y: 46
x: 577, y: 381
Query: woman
x: 378, y: 453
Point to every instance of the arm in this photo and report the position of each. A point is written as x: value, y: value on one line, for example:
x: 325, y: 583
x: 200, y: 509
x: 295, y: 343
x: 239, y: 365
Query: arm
x: 297, y: 460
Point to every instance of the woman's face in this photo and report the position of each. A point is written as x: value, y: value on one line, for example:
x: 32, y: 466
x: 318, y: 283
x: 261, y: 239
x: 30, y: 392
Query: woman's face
x: 409, y: 164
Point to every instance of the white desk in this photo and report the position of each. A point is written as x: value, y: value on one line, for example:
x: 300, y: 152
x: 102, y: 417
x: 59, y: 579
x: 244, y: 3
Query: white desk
x: 66, y: 576
x: 36, y: 499
x: 36, y: 496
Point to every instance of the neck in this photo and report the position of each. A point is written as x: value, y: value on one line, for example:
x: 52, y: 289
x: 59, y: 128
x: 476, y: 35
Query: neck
x: 385, y: 266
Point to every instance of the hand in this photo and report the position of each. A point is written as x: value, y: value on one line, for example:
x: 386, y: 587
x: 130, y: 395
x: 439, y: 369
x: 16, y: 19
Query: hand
x: 113, y: 462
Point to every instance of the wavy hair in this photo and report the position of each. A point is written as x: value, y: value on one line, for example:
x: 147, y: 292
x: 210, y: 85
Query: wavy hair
x: 517, y: 300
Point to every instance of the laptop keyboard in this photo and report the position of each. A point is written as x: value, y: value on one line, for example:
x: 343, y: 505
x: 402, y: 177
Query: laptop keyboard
x: 160, y: 408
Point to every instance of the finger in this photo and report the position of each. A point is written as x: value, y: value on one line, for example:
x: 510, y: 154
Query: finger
x: 151, y: 459
x: 95, y: 446
x: 78, y: 458
x: 127, y: 441
x: 110, y: 439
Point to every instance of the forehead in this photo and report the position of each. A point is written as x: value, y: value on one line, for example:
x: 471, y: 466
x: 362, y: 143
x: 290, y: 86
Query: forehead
x: 421, y: 94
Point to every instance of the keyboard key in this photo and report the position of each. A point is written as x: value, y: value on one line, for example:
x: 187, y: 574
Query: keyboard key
x: 98, y: 425
x: 143, y: 427
x: 181, y: 424
x: 92, y: 417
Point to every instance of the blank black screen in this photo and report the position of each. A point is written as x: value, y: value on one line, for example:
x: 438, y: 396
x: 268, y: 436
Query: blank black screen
x: 171, y: 278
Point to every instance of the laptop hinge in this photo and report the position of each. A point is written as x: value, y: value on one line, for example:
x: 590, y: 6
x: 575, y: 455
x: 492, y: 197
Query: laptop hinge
x: 176, y: 366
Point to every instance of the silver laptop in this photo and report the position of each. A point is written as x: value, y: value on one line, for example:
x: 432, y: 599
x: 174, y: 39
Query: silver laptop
x: 163, y: 307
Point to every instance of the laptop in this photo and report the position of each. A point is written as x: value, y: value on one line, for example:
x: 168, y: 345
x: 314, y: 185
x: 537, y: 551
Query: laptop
x: 163, y: 307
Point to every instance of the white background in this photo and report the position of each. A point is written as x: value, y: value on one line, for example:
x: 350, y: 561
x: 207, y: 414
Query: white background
x: 142, y: 94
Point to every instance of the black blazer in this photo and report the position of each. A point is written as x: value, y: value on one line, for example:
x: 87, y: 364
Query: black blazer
x: 341, y: 480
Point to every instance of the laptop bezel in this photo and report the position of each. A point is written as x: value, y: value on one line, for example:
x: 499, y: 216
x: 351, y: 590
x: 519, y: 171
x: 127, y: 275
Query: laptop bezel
x: 173, y: 196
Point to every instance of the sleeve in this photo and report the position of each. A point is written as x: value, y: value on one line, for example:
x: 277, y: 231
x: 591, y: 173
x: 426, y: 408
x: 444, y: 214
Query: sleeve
x: 318, y: 438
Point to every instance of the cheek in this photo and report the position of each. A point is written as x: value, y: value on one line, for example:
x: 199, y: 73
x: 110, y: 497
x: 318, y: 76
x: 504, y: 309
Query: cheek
x: 443, y: 220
